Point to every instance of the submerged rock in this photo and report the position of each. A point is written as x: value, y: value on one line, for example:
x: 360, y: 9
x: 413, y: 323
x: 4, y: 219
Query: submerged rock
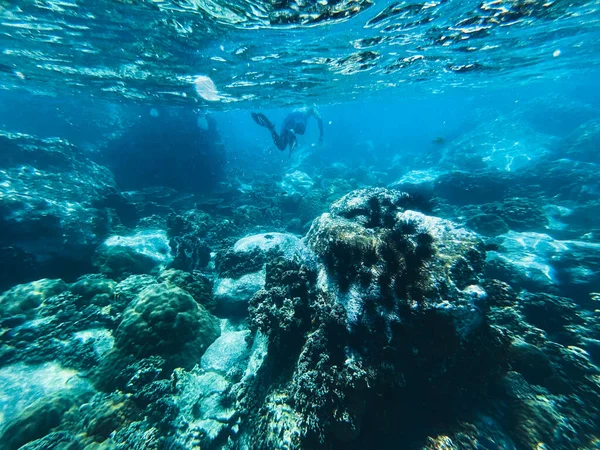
x: 26, y: 298
x: 561, y: 179
x: 242, y: 268
x: 207, y: 406
x: 146, y: 251
x: 520, y: 214
x: 49, y: 214
x: 287, y: 244
x: 502, y: 143
x: 166, y: 321
x: 296, y: 183
x: 473, y: 187
x: 232, y: 294
x: 210, y: 397
x: 190, y: 252
x: 39, y: 397
x: 311, y: 205
x: 583, y: 143
x: 538, y: 262
x: 195, y: 284
x: 417, y: 181
x: 418, y: 258
x: 488, y: 224
x: 36, y: 421
x: 227, y: 352
x: 389, y: 322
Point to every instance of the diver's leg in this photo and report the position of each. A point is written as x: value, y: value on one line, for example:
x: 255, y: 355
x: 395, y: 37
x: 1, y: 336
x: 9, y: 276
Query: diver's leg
x: 280, y: 140
x: 263, y: 121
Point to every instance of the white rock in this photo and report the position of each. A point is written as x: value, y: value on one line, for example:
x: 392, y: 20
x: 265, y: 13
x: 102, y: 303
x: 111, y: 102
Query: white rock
x: 151, y: 243
x: 542, y: 261
x: 289, y: 244
x: 22, y: 384
x: 103, y: 340
x: 228, y: 351
x: 417, y: 179
x: 296, y: 183
x: 233, y: 294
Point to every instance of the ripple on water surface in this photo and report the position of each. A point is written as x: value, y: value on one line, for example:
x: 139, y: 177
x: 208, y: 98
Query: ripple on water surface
x: 288, y: 51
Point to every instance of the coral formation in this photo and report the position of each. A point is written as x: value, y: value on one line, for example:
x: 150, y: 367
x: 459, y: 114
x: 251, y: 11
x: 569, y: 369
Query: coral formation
x: 347, y: 343
x: 166, y: 321
x: 194, y: 283
x: 382, y: 323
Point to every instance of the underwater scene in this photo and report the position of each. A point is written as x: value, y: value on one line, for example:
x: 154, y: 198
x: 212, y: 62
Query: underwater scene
x: 299, y: 224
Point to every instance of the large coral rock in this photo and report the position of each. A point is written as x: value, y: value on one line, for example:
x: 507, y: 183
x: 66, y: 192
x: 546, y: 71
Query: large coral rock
x: 167, y: 321
x: 39, y: 396
x: 519, y: 214
x: 207, y: 395
x: 388, y: 327
x: 383, y: 253
x: 195, y: 284
x: 417, y: 181
x: 50, y: 222
x: 48, y: 320
x: 226, y: 353
x: 560, y: 179
x: 296, y: 183
x: 287, y: 244
x: 502, y: 143
x: 550, y: 395
x: 232, y: 294
x: 583, y: 143
x: 26, y: 298
x: 472, y: 187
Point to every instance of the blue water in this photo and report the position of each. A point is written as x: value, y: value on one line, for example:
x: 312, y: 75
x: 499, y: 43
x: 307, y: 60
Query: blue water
x: 427, y: 277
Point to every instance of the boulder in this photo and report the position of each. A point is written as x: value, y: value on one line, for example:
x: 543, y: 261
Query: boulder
x: 166, y: 321
x: 242, y: 268
x: 50, y: 215
x: 146, y: 251
x: 296, y: 183
x: 538, y: 262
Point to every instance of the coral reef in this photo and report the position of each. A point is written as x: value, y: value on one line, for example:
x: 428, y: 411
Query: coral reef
x: 166, y: 321
x: 488, y: 224
x: 537, y: 262
x: 299, y: 305
x: 518, y: 213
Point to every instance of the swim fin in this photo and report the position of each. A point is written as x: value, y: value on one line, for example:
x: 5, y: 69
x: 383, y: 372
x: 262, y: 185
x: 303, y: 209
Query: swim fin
x: 262, y: 120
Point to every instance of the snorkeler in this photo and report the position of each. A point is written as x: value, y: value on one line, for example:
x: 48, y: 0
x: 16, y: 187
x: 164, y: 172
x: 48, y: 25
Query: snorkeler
x: 293, y: 124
